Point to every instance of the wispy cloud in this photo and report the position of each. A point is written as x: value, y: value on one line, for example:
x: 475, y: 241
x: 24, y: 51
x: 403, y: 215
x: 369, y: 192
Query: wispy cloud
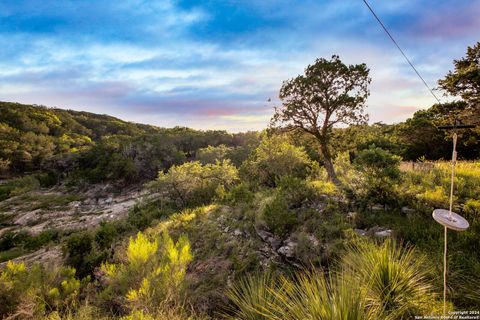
x: 214, y: 64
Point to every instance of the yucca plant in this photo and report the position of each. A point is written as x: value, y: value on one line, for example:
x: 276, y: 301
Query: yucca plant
x: 386, y: 281
x: 394, y: 279
x: 315, y: 295
x: 309, y: 295
x: 253, y: 298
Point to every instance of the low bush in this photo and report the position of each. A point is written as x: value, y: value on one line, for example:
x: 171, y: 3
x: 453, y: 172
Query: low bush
x: 275, y: 158
x: 380, y: 171
x: 149, y: 273
x: 18, y: 186
x: 34, y: 292
x: 193, y: 184
x: 240, y: 193
x: 278, y: 217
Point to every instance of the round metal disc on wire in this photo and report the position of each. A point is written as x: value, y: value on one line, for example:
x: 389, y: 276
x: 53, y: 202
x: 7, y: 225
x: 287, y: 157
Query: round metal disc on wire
x: 453, y: 221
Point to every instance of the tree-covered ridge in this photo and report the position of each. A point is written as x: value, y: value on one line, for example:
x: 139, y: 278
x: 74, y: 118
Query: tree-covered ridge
x: 96, y: 147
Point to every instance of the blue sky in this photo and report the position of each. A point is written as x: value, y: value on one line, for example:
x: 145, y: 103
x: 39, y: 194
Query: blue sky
x: 214, y: 64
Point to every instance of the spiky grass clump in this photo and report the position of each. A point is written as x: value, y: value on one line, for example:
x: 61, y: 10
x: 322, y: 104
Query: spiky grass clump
x: 384, y: 281
x: 311, y: 295
x: 254, y: 298
x: 395, y: 279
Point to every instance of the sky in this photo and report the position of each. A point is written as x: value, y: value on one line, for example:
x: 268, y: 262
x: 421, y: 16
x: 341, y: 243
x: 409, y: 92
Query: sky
x: 216, y: 64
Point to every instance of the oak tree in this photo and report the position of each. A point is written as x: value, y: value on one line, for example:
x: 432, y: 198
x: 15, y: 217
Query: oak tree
x: 329, y: 93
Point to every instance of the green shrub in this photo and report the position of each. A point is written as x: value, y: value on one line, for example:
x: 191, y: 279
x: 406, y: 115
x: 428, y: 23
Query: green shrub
x: 18, y: 186
x: 324, y: 187
x: 372, y: 282
x: 395, y: 280
x: 240, y: 194
x: 81, y: 254
x: 472, y: 206
x: 380, y: 171
x: 150, y: 273
x: 275, y: 158
x: 105, y: 235
x: 278, y: 217
x: 212, y: 154
x: 38, y: 241
x: 193, y: 184
x: 295, y: 191
x: 253, y: 298
x: 31, y: 293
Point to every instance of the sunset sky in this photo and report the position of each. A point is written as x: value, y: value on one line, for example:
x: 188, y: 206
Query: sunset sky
x: 214, y: 64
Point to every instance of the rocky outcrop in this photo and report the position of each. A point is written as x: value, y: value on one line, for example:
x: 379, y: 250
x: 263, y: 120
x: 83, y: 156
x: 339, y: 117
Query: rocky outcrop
x: 288, y: 248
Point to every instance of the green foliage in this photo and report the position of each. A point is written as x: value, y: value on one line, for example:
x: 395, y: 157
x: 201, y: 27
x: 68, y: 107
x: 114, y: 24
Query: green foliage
x: 275, y: 158
x: 329, y: 93
x: 33, y: 292
x: 428, y: 185
x: 213, y: 154
x: 394, y: 279
x: 80, y: 253
x: 25, y: 242
x: 374, y: 282
x: 295, y: 191
x: 240, y: 193
x: 380, y: 171
x: 472, y: 207
x: 278, y: 217
x: 194, y: 184
x: 324, y: 187
x: 253, y: 297
x: 105, y: 235
x: 18, y: 186
x: 151, y: 272
x: 464, y: 81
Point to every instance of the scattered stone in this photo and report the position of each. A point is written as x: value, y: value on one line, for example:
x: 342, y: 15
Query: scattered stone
x: 270, y: 238
x: 360, y: 232
x: 313, y: 240
x: 76, y: 204
x: 407, y: 210
x: 237, y: 233
x: 384, y: 233
x: 378, y: 207
x: 352, y: 215
x: 226, y: 229
x: 265, y: 235
x: 288, y: 248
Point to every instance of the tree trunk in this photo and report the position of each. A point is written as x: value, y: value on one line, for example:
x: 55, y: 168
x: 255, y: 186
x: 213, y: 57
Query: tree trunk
x: 329, y: 165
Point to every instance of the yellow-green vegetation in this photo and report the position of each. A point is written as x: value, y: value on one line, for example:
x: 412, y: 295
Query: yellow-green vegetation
x: 149, y: 273
x: 33, y: 292
x: 372, y: 281
x: 425, y: 187
x: 429, y: 184
x: 274, y: 158
x: 171, y: 258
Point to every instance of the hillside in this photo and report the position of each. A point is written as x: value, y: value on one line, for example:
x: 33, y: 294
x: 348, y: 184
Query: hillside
x: 102, y: 218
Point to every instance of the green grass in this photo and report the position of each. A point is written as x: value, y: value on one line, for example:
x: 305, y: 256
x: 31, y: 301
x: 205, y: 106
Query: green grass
x: 429, y: 185
x: 33, y: 201
x: 11, y: 254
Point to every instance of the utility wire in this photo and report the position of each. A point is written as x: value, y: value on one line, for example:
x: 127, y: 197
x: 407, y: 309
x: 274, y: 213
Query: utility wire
x: 400, y: 49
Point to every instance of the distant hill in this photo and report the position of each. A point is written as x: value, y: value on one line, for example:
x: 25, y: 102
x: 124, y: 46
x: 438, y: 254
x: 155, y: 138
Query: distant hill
x: 57, y: 122
x: 94, y: 147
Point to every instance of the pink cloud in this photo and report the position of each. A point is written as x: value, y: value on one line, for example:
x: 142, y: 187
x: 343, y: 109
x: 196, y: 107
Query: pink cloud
x: 449, y: 22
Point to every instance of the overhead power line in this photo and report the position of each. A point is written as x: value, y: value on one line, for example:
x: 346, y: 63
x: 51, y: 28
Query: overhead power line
x: 401, y: 51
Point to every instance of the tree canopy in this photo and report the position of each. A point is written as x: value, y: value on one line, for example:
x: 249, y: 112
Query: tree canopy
x: 329, y: 93
x: 464, y: 81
